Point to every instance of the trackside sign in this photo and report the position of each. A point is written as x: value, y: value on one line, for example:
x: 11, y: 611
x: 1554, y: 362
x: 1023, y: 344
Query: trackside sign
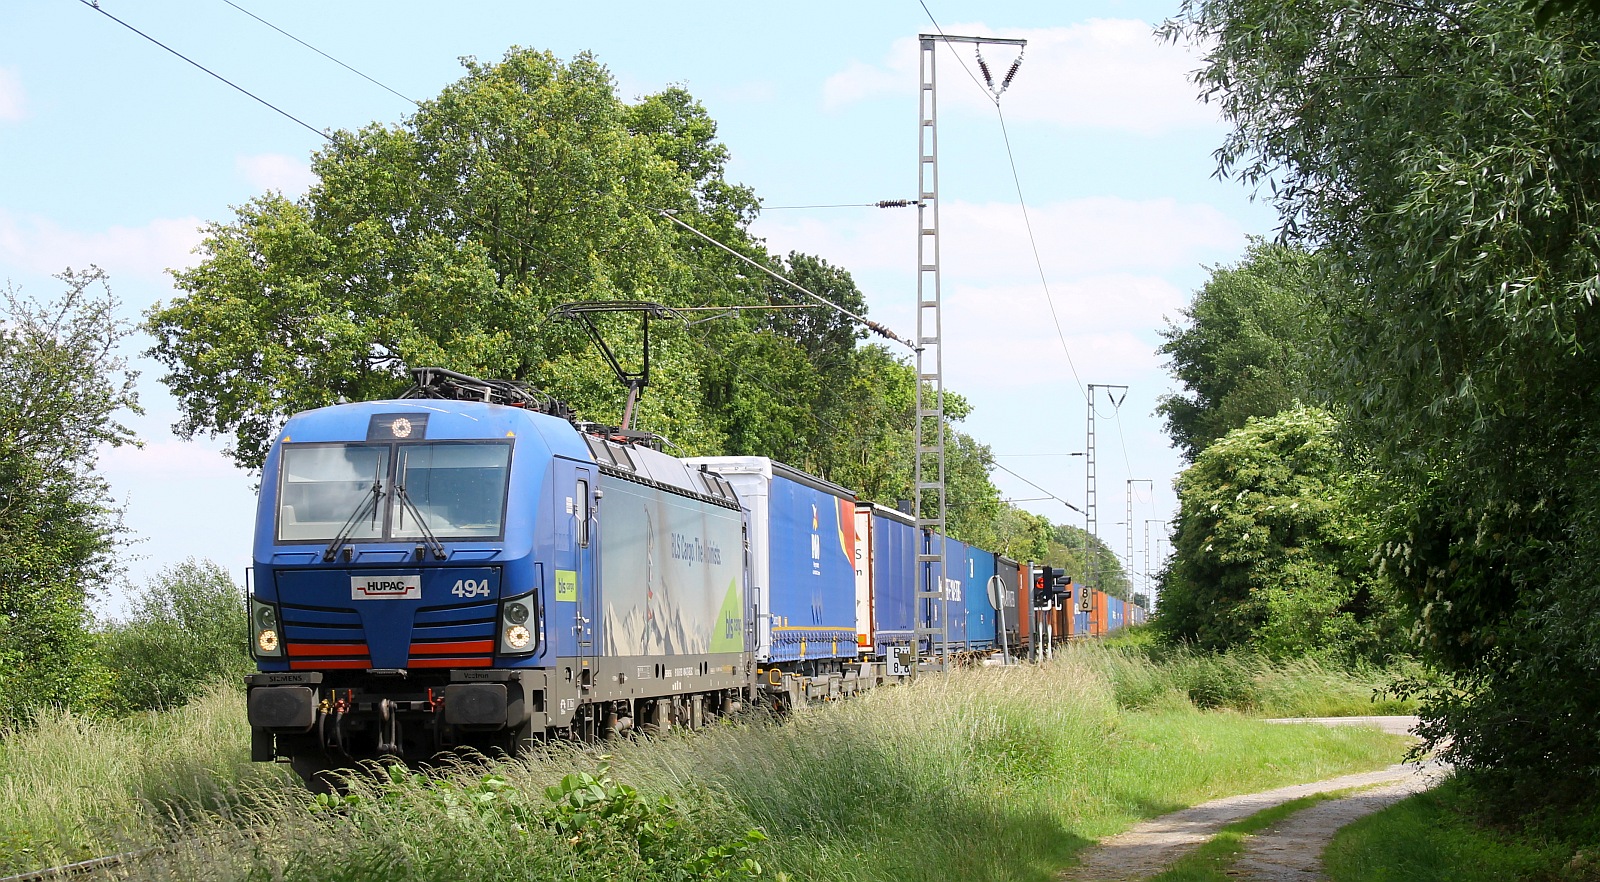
x: 386, y: 587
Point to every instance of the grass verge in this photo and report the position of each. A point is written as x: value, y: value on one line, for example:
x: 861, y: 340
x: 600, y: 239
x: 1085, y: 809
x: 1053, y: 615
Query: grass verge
x: 1438, y: 836
x: 987, y: 774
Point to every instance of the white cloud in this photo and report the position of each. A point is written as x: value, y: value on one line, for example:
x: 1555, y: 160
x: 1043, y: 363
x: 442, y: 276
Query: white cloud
x: 1099, y: 74
x: 169, y: 459
x: 275, y: 171
x: 1007, y: 337
x: 41, y: 245
x: 861, y: 81
x: 13, y: 104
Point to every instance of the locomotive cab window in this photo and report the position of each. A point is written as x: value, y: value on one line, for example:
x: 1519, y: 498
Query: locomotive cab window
x: 325, y: 486
x: 450, y: 490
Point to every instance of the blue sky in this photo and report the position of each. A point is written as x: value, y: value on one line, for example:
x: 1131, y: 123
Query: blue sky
x: 115, y: 152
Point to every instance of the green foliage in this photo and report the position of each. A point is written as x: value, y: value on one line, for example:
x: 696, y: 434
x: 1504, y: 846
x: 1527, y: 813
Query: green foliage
x: 186, y: 629
x: 601, y: 822
x: 1146, y: 677
x: 1448, y: 158
x: 78, y: 786
x: 1272, y: 547
x: 1248, y: 346
x: 1022, y: 536
x: 66, y: 387
x: 446, y: 240
x: 868, y: 789
x: 1441, y: 836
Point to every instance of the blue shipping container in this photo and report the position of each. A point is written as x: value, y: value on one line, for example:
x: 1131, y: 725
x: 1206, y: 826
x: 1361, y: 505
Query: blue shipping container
x: 955, y: 555
x: 981, y: 615
x: 894, y: 567
x: 802, y: 566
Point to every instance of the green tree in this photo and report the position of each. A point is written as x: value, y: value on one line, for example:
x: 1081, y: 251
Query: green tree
x: 186, y: 629
x: 66, y: 390
x: 1447, y: 156
x: 1248, y: 344
x: 1272, y: 546
x: 1022, y: 535
x: 446, y: 239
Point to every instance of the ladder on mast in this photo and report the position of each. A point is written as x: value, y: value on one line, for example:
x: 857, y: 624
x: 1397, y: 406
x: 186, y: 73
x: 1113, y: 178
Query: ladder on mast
x: 928, y: 473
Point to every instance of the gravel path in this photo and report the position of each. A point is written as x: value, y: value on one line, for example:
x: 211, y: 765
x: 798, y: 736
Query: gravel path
x: 1292, y: 849
x: 1392, y: 725
x: 1150, y: 847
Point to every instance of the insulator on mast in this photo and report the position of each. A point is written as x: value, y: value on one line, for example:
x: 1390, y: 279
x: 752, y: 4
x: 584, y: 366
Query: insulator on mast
x: 984, y: 66
x: 1010, y: 74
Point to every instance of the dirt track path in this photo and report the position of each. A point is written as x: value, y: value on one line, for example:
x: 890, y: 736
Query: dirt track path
x: 1150, y: 847
x: 1292, y: 849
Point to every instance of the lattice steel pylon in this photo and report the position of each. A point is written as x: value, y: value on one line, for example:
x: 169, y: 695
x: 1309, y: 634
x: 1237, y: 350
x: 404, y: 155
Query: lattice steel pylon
x: 928, y: 472
x: 1091, y: 573
x: 1129, y: 523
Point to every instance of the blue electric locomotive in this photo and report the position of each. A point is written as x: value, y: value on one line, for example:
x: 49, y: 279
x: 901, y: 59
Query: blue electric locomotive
x: 470, y: 568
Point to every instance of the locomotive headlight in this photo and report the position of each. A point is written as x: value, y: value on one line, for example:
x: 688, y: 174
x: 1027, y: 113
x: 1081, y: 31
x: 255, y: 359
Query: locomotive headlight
x: 267, y: 641
x: 264, y: 622
x: 517, y: 636
x: 520, y: 623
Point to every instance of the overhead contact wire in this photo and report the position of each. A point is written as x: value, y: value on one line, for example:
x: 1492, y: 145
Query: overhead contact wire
x: 871, y: 325
x: 93, y: 4
x: 347, y: 67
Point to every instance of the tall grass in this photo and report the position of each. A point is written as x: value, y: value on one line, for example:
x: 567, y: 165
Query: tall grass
x: 1148, y: 677
x: 74, y: 786
x: 987, y: 774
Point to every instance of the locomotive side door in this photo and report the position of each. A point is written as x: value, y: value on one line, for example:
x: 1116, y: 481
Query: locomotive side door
x: 576, y: 537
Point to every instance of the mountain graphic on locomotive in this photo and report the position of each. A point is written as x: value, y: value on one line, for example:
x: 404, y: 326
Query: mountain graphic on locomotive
x: 468, y: 566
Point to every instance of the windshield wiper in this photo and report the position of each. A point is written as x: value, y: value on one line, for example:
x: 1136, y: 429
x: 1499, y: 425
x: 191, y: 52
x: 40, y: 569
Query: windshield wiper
x: 406, y: 505
x: 368, y: 503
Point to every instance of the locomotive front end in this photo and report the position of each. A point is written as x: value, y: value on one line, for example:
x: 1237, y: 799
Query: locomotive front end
x: 403, y: 552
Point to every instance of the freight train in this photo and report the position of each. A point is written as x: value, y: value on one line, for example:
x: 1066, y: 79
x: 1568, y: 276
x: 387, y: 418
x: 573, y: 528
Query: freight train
x: 468, y: 566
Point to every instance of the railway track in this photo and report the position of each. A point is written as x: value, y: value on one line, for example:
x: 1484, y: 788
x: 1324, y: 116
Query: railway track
x: 83, y: 868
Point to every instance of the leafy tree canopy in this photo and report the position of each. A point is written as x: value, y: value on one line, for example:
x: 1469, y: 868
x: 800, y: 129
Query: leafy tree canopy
x: 446, y: 239
x: 1065, y: 549
x: 66, y: 390
x: 1247, y: 346
x: 1446, y: 158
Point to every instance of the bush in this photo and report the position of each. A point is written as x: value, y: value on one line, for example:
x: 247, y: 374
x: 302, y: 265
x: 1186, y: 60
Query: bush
x: 187, y: 629
x: 1274, y: 547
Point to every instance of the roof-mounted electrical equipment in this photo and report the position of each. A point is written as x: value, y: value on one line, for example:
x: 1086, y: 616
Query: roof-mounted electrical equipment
x: 438, y: 383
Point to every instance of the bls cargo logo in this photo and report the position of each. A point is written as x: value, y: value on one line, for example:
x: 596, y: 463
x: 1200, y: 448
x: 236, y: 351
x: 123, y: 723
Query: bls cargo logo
x: 386, y: 587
